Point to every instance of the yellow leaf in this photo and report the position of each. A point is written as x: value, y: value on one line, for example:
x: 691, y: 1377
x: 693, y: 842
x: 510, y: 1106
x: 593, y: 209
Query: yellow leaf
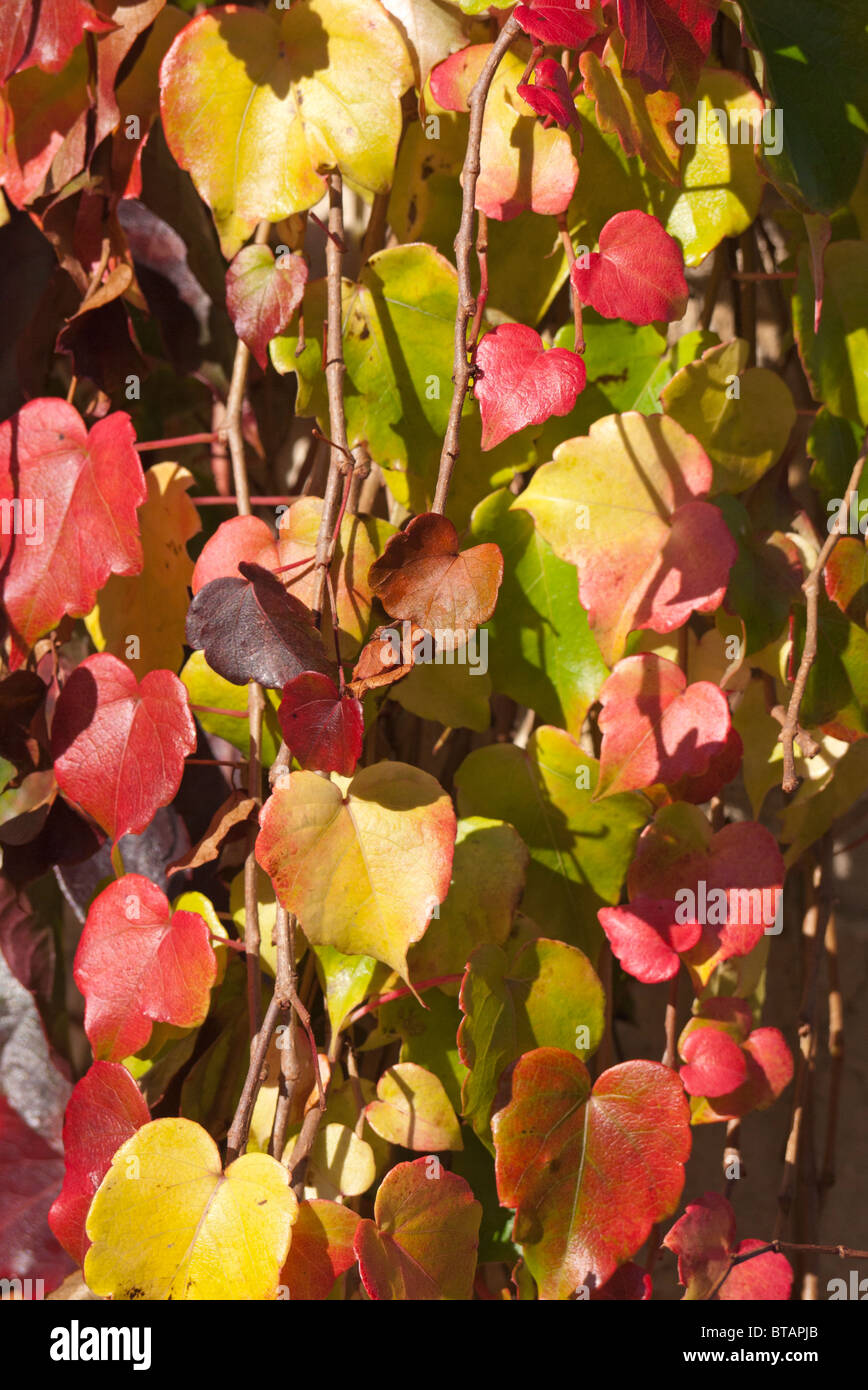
x: 140, y: 618
x: 168, y: 1223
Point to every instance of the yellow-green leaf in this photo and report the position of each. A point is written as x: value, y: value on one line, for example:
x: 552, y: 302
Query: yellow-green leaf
x: 256, y: 107
x: 412, y: 1109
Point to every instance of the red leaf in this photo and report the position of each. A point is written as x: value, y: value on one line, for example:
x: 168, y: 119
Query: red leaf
x: 422, y: 577
x: 767, y: 1070
x: 522, y: 384
x: 550, y: 94
x: 251, y: 629
x: 86, y: 488
x: 646, y: 939
x: 241, y: 538
x: 43, y: 33
x: 105, y: 1108
x: 768, y: 1278
x: 321, y: 1250
x: 562, y: 22
x: 422, y: 1242
x: 704, y: 1241
x: 262, y: 295
x: 637, y: 274
x: 716, y: 1063
x: 118, y: 746
x: 655, y: 727
x: 322, y: 729
x: 138, y: 964
x: 736, y: 875
x: 30, y: 1174
x: 666, y: 39
x: 588, y: 1172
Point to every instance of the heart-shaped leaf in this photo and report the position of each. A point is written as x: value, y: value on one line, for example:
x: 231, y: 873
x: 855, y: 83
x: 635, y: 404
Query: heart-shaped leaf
x: 262, y: 294
x: 363, y: 869
x: 251, y: 629
x: 704, y: 1240
x: 323, y: 729
x: 656, y: 727
x: 742, y: 418
x: 730, y: 1086
x: 138, y: 963
x: 637, y: 274
x: 588, y: 1172
x: 301, y: 91
x: 715, y: 1063
x: 422, y: 1242
x: 623, y: 504
x: 69, y: 483
x: 424, y: 578
x: 231, y: 1231
x: 412, y: 1109
x: 520, y: 383
x: 106, y: 1107
x: 522, y: 166
x: 119, y: 745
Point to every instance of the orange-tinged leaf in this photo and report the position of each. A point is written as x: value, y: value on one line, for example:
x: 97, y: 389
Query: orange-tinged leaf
x: 363, y: 869
x: 624, y: 504
x: 424, y: 578
x: 588, y: 1172
x: 422, y: 1242
x: 644, y: 122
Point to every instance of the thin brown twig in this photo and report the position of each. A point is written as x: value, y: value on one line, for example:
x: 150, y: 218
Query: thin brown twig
x: 461, y: 372
x: 482, y: 297
x: 811, y: 588
x: 239, y: 1130
x: 335, y: 370
x: 836, y: 1055
x: 777, y: 1247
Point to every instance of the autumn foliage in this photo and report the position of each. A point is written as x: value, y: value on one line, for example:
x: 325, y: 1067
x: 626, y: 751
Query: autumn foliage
x: 413, y: 556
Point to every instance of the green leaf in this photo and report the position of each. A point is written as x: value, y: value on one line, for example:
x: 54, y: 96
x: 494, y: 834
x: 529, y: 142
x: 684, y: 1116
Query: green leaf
x: 205, y: 687
x: 399, y: 327
x: 721, y: 185
x: 457, y: 696
x: 825, y: 121
x: 742, y: 418
x: 549, y: 995
x: 413, y: 1110
x: 579, y: 849
x: 541, y: 649
x: 347, y: 981
x: 764, y: 580
x: 429, y: 1036
x: 836, y: 358
x: 488, y: 875
x: 256, y: 107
